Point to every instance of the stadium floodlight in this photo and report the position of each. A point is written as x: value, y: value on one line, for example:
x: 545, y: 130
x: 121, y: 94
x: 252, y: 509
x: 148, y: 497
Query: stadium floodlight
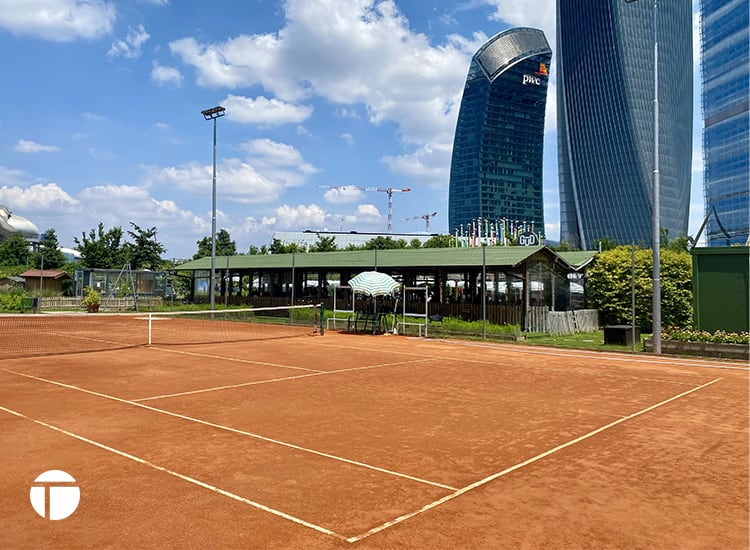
x: 213, y: 114
x: 655, y: 225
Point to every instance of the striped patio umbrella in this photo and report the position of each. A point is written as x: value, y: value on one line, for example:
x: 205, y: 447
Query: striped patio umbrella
x: 374, y: 283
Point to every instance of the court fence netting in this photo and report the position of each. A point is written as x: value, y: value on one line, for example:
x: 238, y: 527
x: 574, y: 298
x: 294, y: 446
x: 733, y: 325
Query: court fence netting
x: 58, y: 334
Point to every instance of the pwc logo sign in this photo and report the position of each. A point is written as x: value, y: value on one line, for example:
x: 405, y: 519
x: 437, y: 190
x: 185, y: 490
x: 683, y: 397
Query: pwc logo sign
x: 55, y: 495
x: 536, y: 78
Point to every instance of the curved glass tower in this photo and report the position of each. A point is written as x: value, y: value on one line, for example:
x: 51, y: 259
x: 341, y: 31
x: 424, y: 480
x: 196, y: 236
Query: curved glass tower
x: 496, y: 167
x: 725, y: 64
x: 605, y: 114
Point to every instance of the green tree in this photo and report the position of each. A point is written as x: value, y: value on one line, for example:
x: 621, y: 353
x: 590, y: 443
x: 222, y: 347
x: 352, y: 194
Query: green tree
x: 49, y: 250
x: 680, y: 244
x: 324, y: 244
x: 676, y: 277
x: 14, y: 250
x: 415, y: 243
x: 145, y: 251
x: 562, y: 247
x: 605, y: 243
x: 385, y: 243
x: 440, y: 241
x: 254, y: 250
x: 608, y: 287
x: 277, y: 247
x: 102, y: 249
x: 225, y: 246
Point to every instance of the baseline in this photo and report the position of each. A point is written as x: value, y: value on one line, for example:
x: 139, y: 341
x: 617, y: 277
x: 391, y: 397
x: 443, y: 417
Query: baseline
x: 606, y: 355
x: 520, y: 465
x: 542, y: 368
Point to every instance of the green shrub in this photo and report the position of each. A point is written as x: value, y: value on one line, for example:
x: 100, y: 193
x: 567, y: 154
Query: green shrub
x: 608, y: 287
x: 11, y: 301
x: 718, y: 337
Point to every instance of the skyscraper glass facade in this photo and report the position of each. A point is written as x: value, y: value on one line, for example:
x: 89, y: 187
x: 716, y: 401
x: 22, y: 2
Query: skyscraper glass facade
x: 725, y: 67
x: 605, y: 93
x: 496, y: 167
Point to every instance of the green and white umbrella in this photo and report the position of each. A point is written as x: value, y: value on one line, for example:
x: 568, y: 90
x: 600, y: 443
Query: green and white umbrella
x: 374, y: 283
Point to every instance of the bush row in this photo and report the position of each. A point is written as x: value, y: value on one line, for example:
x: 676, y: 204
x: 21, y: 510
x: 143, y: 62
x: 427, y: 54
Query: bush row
x: 718, y: 337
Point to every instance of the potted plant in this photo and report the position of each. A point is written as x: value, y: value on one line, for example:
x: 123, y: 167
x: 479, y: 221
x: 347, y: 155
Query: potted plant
x: 91, y: 299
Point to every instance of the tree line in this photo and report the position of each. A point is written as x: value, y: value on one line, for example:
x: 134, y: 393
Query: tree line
x: 608, y: 285
x: 113, y: 248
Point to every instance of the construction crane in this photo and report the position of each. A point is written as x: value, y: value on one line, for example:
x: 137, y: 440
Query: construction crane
x: 389, y: 190
x: 425, y: 217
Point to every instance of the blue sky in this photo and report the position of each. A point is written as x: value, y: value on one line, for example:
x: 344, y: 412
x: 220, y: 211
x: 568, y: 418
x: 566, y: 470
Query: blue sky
x: 101, y: 113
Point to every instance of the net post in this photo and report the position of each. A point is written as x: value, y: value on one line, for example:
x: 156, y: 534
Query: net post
x: 321, y: 321
x: 149, y: 328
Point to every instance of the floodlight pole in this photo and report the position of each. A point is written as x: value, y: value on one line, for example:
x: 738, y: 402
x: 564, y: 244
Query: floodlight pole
x: 655, y: 217
x: 213, y: 114
x: 656, y: 228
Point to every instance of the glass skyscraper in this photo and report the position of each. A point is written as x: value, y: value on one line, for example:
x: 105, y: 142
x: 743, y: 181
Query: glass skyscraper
x: 496, y: 167
x: 605, y: 92
x: 725, y: 66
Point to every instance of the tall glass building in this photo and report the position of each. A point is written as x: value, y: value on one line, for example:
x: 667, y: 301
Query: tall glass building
x: 725, y: 65
x: 605, y: 92
x: 496, y: 167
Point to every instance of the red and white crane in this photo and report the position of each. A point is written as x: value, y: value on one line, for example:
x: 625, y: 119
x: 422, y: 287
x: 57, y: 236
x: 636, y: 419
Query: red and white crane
x: 389, y: 190
x: 425, y: 217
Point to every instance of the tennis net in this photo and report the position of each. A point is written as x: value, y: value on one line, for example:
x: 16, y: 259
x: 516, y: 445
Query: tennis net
x: 59, y: 334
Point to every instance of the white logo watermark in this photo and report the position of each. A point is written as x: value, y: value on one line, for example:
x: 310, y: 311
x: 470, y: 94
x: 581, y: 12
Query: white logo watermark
x: 54, y: 495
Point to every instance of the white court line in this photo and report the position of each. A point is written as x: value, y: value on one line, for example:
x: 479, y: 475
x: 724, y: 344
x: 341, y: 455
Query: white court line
x: 534, y: 367
x: 271, y: 380
x: 178, y: 475
x: 607, y: 355
x: 236, y: 431
x: 557, y: 352
x: 515, y: 467
x: 234, y: 359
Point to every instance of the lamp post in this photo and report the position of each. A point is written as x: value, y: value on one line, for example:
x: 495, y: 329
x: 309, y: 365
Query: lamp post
x: 655, y: 225
x: 213, y: 114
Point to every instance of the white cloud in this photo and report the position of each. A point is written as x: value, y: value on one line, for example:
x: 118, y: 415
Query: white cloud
x: 58, y: 20
x: 237, y: 181
x: 165, y: 76
x: 117, y: 205
x: 291, y: 217
x: 395, y: 73
x: 263, y: 177
x: 26, y: 146
x: 14, y: 177
x: 347, y: 138
x: 369, y: 212
x: 264, y: 111
x: 538, y: 14
x: 36, y: 197
x: 342, y: 195
x: 429, y: 164
x: 279, y: 161
x: 131, y: 47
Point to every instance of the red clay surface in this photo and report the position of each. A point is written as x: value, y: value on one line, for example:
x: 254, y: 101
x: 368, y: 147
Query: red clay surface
x: 347, y: 441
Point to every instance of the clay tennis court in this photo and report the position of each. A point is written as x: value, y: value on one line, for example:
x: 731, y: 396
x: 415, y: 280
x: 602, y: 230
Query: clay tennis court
x: 351, y: 441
